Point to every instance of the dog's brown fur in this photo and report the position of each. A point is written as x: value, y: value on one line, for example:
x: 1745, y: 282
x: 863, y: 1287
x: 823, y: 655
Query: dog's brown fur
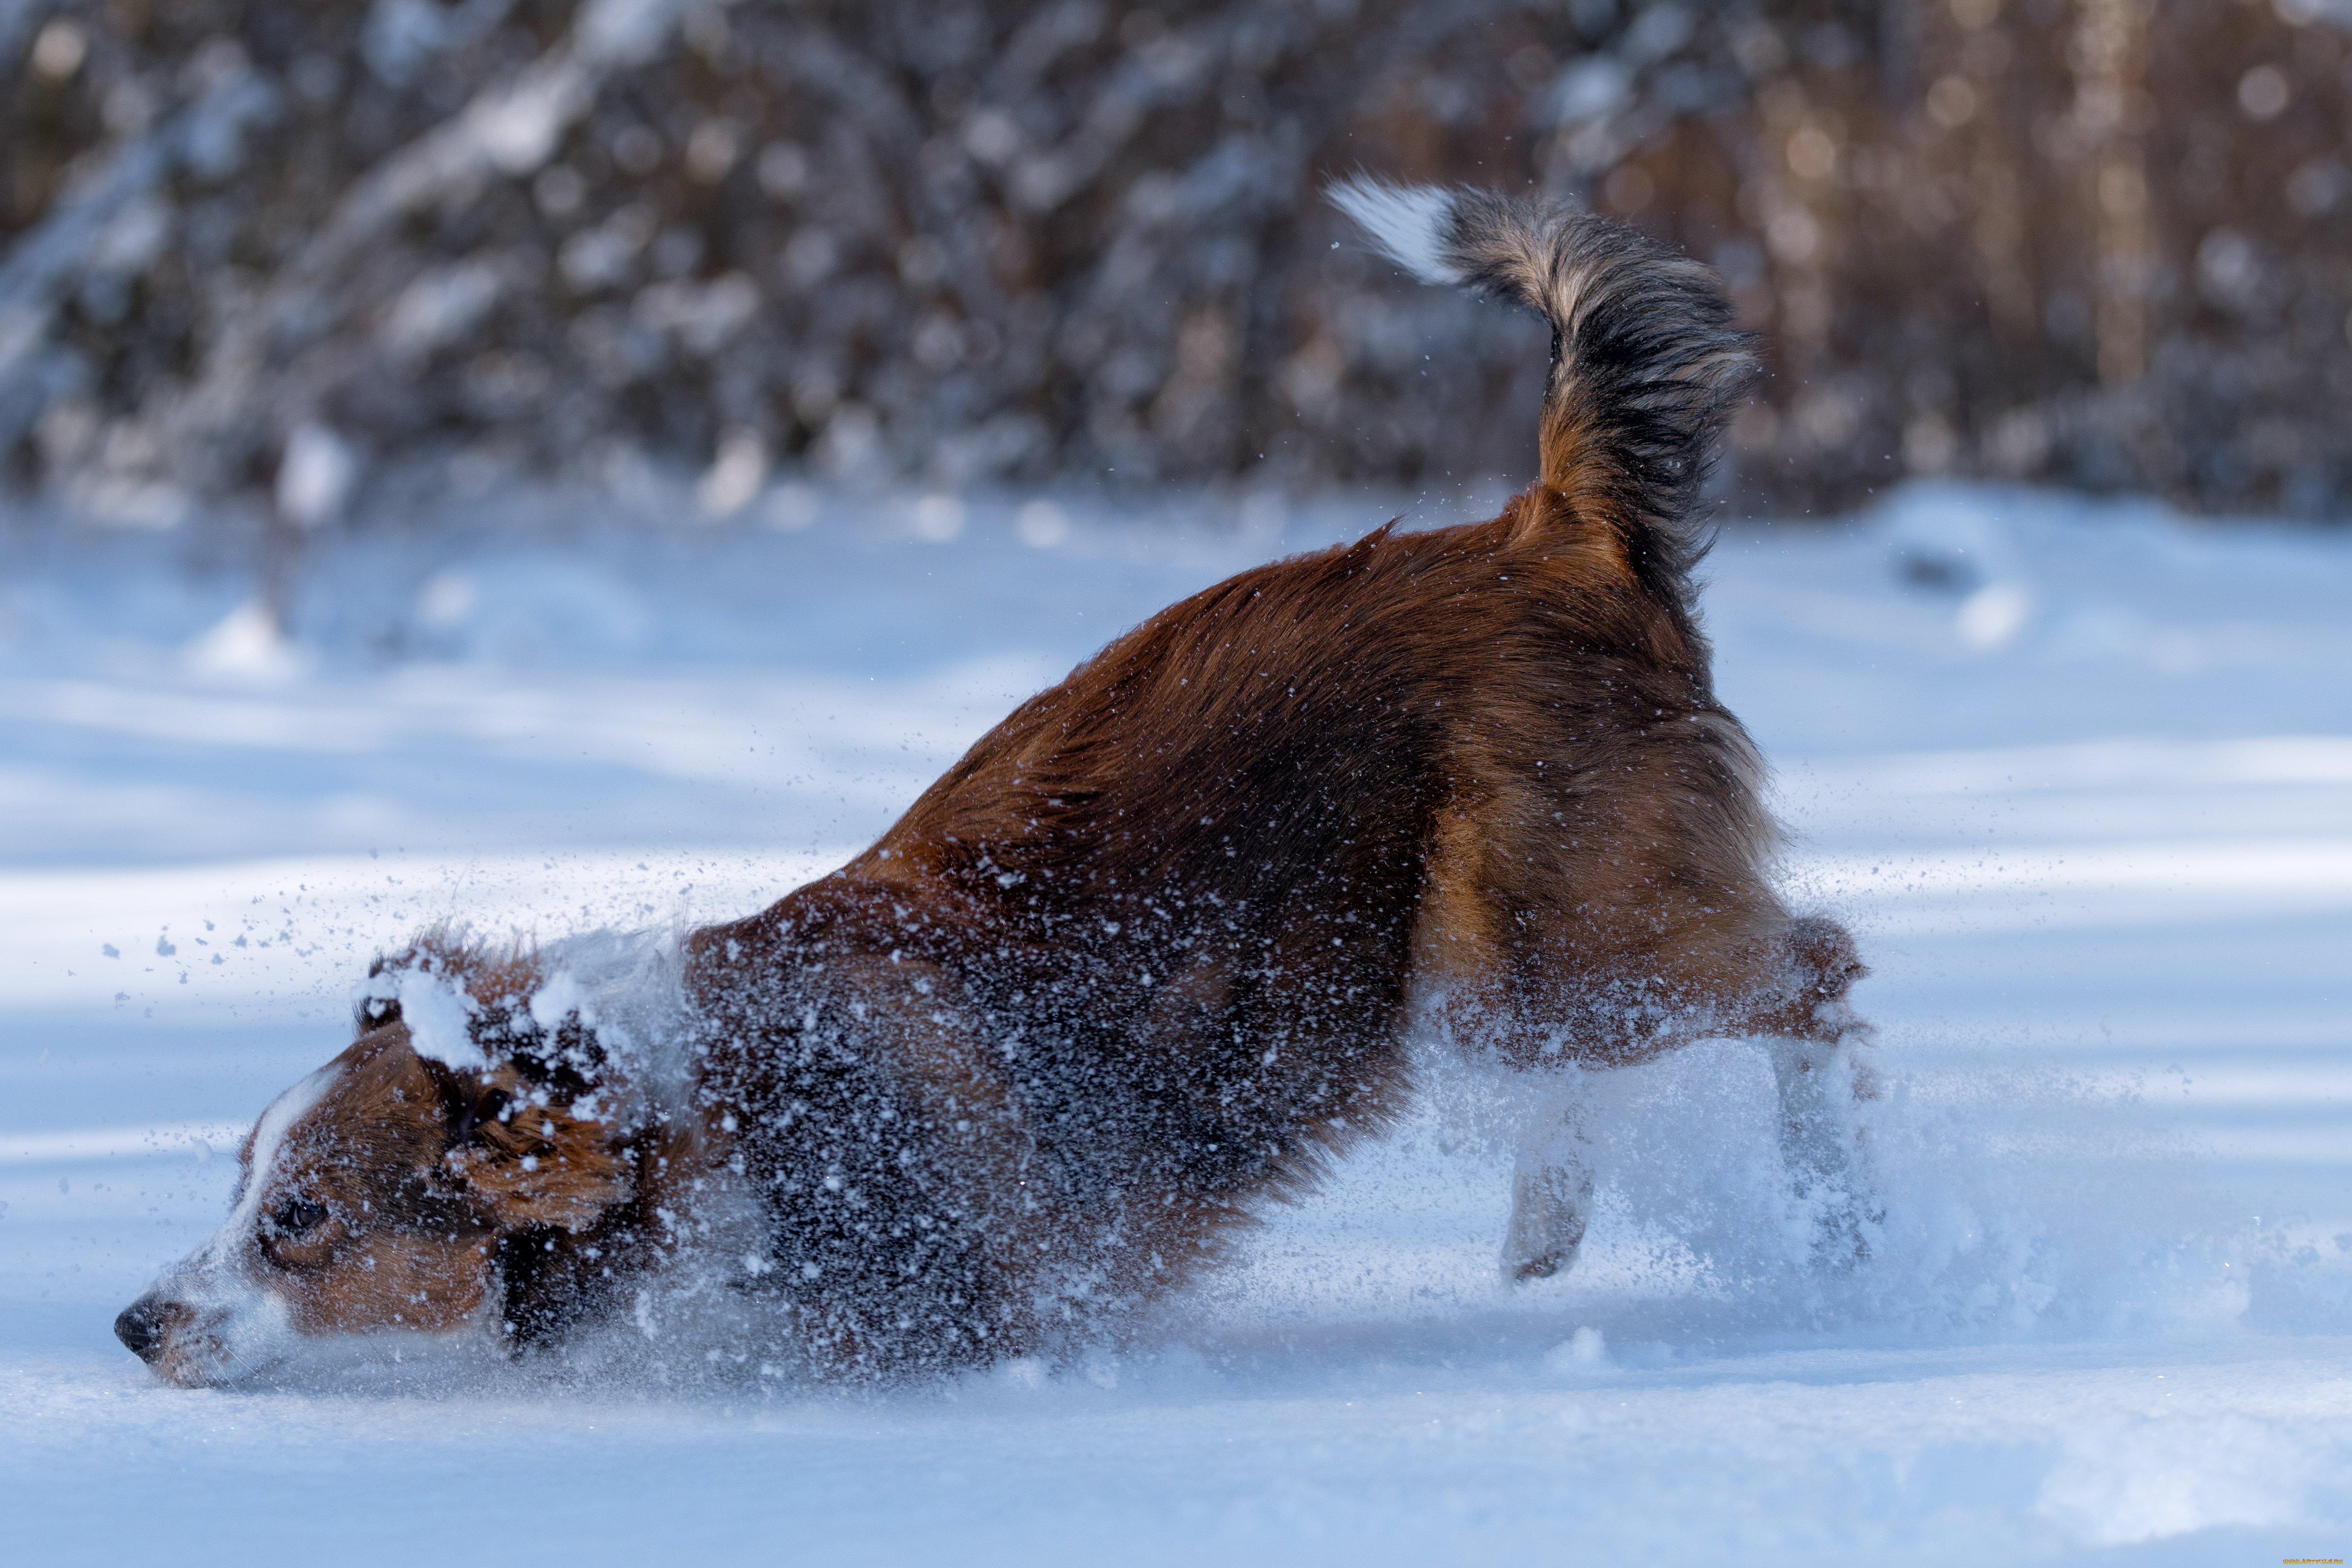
x: 1147, y: 953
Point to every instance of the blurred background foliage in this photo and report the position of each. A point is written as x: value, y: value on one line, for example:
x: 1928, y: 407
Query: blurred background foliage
x: 292, y: 257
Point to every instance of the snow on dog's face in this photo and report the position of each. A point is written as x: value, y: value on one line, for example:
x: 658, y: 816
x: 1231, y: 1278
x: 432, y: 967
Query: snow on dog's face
x: 376, y: 1197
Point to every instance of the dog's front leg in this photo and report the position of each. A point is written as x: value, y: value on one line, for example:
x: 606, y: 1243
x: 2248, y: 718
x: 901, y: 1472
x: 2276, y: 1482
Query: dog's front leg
x: 1551, y: 1203
x: 1820, y: 1077
x: 1821, y: 1139
x: 1551, y: 1194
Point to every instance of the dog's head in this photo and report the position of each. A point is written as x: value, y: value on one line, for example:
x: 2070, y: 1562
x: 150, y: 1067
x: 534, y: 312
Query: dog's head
x: 385, y: 1192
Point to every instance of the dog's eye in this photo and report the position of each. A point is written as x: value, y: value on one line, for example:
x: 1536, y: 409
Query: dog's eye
x: 296, y: 1216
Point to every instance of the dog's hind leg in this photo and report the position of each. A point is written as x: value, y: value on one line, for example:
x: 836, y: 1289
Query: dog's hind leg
x: 1551, y: 1197
x: 1821, y: 1139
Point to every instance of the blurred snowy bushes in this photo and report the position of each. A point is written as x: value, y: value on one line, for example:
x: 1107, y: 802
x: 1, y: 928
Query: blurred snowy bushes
x: 289, y: 258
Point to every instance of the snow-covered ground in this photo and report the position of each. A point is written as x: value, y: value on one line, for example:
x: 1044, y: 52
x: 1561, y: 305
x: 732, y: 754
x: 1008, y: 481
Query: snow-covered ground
x: 2080, y: 776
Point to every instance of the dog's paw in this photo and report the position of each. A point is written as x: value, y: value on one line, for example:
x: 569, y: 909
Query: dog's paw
x: 1867, y: 1085
x: 1547, y: 1212
x: 1825, y: 958
x: 1815, y: 965
x: 1538, y: 1268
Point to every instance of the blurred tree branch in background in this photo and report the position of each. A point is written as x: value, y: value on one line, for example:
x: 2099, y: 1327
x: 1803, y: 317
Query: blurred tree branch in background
x: 290, y: 255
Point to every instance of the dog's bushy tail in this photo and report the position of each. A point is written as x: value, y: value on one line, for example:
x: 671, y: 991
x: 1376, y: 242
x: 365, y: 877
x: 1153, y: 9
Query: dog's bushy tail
x: 1646, y: 366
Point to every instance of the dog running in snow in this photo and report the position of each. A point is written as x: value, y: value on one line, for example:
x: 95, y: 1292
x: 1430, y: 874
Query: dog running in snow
x: 1140, y: 961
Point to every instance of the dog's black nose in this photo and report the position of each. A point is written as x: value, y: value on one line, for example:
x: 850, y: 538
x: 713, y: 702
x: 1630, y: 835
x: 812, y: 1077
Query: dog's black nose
x: 140, y: 1328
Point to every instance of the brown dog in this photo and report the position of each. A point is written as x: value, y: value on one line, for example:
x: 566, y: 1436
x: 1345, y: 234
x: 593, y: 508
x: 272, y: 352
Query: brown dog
x: 1141, y: 960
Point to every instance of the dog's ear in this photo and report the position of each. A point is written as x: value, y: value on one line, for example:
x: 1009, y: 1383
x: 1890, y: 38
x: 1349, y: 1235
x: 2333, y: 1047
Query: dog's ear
x: 563, y: 1054
x: 532, y: 1117
x: 470, y: 1008
x: 375, y: 1009
x: 469, y: 1099
x: 533, y: 1159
